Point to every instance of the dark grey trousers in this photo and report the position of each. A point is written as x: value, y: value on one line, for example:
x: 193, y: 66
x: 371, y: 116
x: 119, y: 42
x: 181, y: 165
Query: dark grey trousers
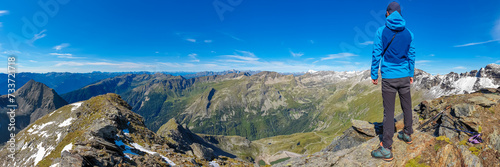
x: 389, y: 89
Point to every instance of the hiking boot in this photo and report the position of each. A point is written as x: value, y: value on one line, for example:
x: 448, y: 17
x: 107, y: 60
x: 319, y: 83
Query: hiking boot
x: 383, y: 153
x: 405, y: 137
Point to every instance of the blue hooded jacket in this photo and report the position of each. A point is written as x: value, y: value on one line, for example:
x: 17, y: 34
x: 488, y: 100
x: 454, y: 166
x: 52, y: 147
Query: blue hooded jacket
x: 399, y: 59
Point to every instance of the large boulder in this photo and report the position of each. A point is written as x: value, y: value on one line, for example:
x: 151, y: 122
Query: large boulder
x: 463, y: 110
x: 364, y: 127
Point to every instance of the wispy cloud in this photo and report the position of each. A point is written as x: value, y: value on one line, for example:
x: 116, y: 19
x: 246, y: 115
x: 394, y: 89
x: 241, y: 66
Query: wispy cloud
x: 422, y: 62
x: 432, y: 55
x: 338, y: 56
x: 3, y: 12
x: 296, y: 54
x: 232, y: 36
x: 367, y: 43
x: 207, y: 41
x: 476, y: 43
x: 193, y: 56
x: 242, y: 57
x: 33, y: 61
x: 459, y: 68
x: 191, y: 40
x: 38, y: 36
x: 60, y: 46
x: 496, y: 30
x: 127, y: 65
x: 311, y: 41
x: 65, y: 55
x: 498, y: 61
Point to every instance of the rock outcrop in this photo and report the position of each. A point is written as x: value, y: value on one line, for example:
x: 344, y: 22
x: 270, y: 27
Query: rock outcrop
x: 442, y: 142
x: 190, y: 143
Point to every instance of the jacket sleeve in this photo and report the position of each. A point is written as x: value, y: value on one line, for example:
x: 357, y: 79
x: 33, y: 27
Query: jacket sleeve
x: 411, y: 56
x: 377, y: 50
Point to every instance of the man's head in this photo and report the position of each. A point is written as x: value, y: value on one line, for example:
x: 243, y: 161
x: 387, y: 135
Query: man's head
x: 393, y: 6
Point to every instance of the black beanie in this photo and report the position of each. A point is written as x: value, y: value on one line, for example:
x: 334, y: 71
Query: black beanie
x: 393, y: 6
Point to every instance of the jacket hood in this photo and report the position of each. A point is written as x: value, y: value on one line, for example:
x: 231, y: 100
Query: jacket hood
x: 395, y: 21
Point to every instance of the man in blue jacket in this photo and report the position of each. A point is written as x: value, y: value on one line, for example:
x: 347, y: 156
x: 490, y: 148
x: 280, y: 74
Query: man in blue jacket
x: 394, y: 54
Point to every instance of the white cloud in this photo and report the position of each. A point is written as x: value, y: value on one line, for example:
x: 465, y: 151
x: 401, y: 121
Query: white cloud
x: 476, y: 43
x: 191, y: 40
x: 432, y: 55
x: 498, y: 61
x: 459, y: 68
x: 296, y: 54
x: 157, y: 52
x: 496, y: 30
x: 127, y: 65
x: 33, y: 61
x: 3, y: 12
x: 38, y: 36
x: 207, y: 41
x: 193, y: 56
x: 338, y: 56
x: 11, y: 52
x: 69, y: 63
x: 311, y: 41
x: 65, y: 55
x: 61, y: 46
x: 367, y: 43
x: 422, y: 61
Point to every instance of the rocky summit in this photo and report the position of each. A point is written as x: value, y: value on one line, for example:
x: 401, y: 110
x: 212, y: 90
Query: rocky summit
x: 101, y: 131
x: 441, y: 142
x: 34, y: 100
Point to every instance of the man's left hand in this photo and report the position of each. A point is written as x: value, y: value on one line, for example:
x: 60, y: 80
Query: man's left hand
x: 411, y: 80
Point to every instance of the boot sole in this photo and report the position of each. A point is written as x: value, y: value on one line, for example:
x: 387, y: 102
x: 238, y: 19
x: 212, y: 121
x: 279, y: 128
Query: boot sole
x: 385, y: 159
x: 405, y: 141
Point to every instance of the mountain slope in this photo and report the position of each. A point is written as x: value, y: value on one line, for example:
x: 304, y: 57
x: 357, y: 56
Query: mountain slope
x: 34, y: 100
x: 101, y: 131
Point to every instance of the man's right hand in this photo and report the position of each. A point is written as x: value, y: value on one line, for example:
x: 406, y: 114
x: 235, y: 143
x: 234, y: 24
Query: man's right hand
x: 375, y: 81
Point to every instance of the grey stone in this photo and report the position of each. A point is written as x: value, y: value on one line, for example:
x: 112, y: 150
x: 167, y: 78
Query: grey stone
x: 463, y: 110
x: 202, y: 152
x: 495, y: 140
x: 482, y: 101
x: 364, y: 127
x: 470, y: 160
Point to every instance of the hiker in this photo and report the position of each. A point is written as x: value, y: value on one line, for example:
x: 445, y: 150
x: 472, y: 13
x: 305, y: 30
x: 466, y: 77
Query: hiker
x: 393, y: 45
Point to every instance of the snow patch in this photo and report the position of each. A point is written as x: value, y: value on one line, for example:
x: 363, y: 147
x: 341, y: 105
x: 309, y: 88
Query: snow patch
x: 36, y: 128
x: 67, y: 122
x: 76, y: 105
x: 58, y: 137
x: 487, y: 83
x: 465, y: 84
x: 67, y: 147
x: 312, y: 71
x: 39, y: 154
x: 139, y: 147
x: 213, y: 164
x: 55, y: 165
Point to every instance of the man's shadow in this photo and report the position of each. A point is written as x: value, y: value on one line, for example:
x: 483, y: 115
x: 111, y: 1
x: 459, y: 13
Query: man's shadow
x: 379, y: 128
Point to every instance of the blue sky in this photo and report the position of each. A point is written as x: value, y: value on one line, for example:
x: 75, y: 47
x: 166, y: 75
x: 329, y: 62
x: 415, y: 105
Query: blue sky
x: 217, y: 35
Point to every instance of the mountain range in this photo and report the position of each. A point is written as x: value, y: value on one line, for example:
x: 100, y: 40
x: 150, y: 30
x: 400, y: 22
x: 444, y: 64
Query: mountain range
x: 277, y: 115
